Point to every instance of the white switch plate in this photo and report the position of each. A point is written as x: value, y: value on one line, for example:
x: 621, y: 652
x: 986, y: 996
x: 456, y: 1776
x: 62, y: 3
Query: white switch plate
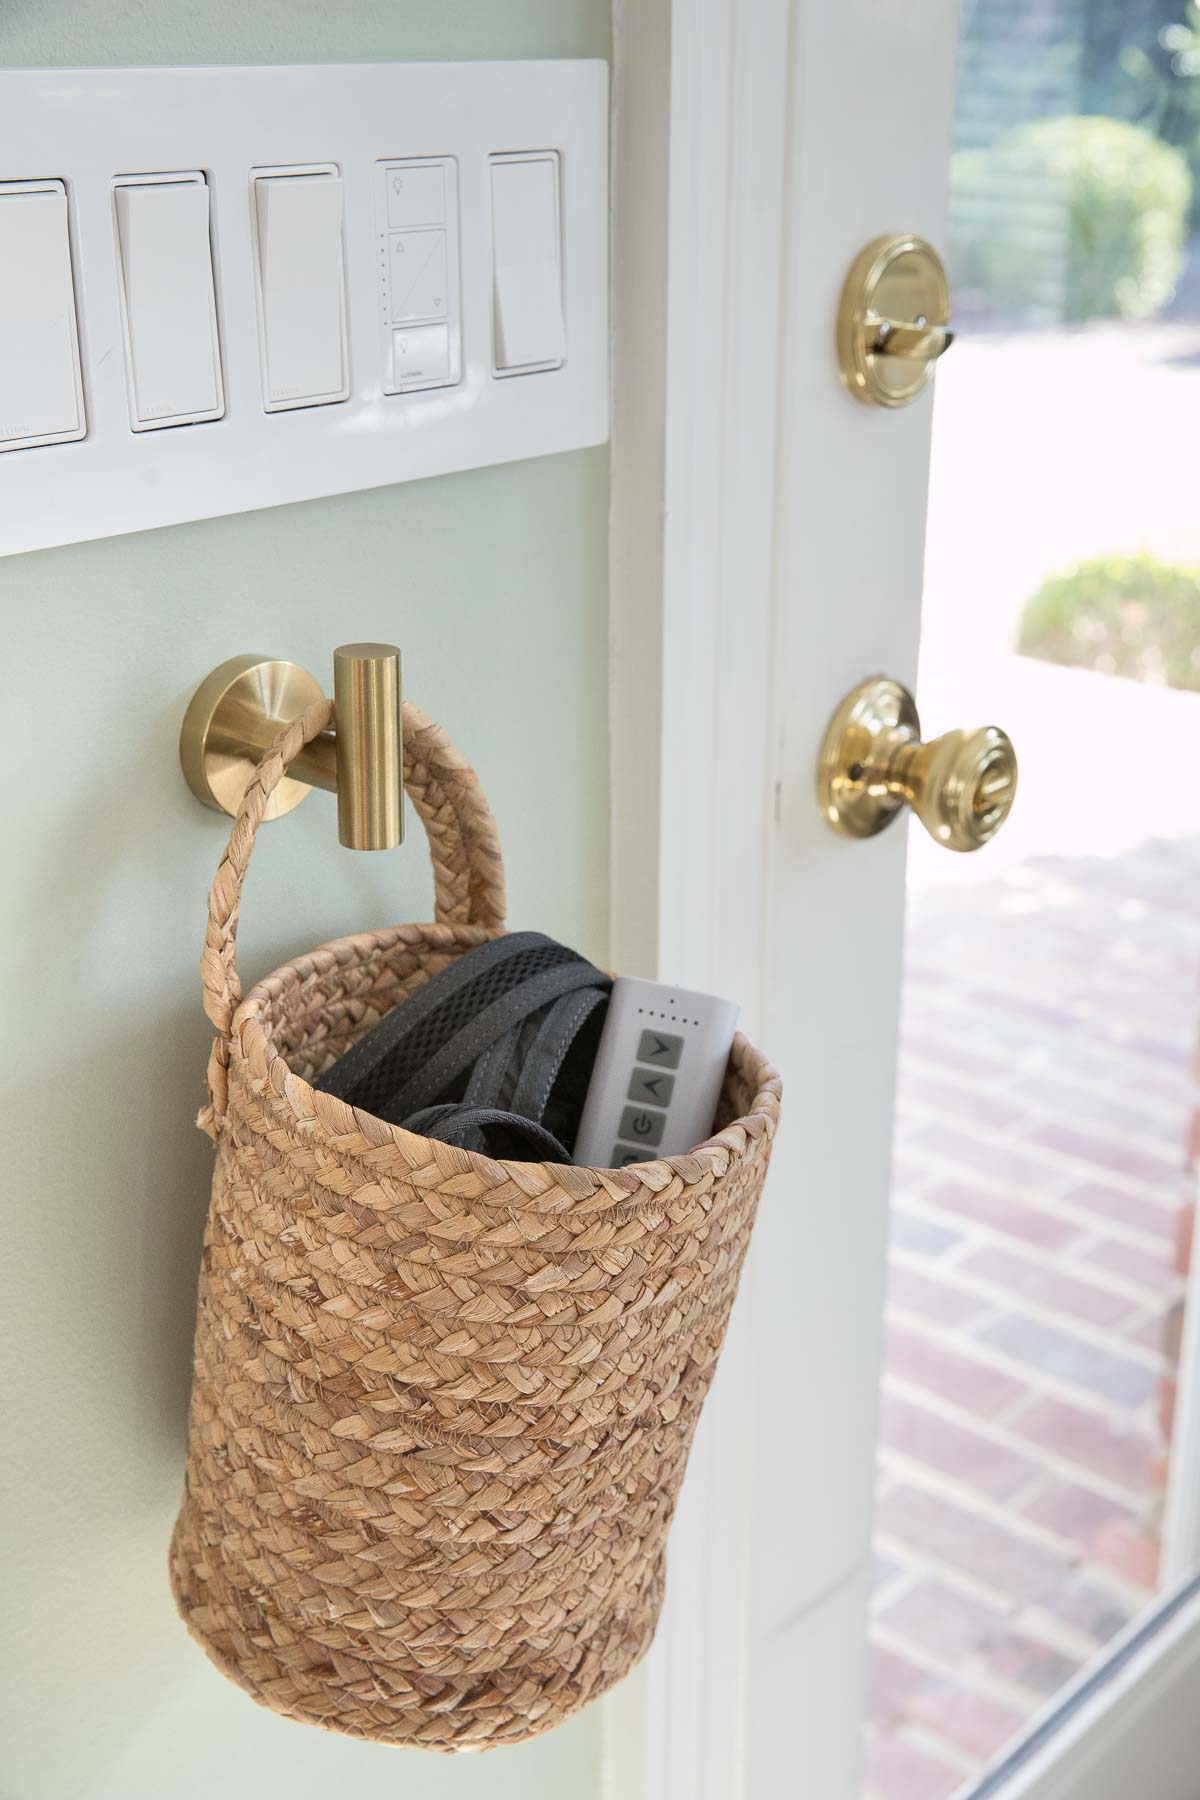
x: 87, y: 128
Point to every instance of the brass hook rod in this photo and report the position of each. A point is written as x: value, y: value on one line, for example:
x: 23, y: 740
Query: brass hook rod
x: 317, y: 763
x: 370, y: 784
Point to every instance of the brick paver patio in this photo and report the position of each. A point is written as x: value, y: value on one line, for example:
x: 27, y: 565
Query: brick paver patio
x: 1045, y: 1089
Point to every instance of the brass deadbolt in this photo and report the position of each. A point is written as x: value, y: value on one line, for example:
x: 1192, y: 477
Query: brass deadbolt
x: 872, y: 762
x: 893, y: 320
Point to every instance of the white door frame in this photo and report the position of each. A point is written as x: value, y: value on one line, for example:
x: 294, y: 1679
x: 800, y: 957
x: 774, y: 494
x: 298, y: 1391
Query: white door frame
x: 736, y: 212
x: 699, y: 132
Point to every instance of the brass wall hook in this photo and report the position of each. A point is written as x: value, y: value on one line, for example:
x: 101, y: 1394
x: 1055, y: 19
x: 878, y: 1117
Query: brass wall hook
x: 242, y: 706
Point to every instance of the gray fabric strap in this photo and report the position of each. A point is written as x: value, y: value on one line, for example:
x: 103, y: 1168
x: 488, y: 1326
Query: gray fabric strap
x: 466, y: 1045
x: 465, y: 1126
x: 544, y: 1058
x: 486, y: 1086
x: 496, y: 1027
x: 403, y: 1021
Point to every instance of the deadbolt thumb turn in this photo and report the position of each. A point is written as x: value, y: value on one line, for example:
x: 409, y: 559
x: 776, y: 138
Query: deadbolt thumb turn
x: 961, y: 786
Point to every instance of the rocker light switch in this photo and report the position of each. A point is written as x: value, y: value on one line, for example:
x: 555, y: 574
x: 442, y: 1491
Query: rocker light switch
x: 297, y: 221
x: 41, y: 390
x: 172, y: 353
x: 527, y: 291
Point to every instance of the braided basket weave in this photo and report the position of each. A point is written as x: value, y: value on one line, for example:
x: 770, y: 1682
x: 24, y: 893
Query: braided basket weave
x: 442, y: 1405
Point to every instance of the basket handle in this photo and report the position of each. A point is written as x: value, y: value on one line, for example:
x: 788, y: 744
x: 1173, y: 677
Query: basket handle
x: 464, y: 847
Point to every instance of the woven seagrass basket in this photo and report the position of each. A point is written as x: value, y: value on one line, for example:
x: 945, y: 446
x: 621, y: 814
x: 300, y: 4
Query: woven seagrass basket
x: 441, y: 1405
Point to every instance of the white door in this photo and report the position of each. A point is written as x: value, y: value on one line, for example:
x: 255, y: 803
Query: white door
x: 985, y: 1137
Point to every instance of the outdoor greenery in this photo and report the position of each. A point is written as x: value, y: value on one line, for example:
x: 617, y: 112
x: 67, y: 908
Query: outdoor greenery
x: 1119, y: 615
x: 1081, y: 217
x: 1147, y: 69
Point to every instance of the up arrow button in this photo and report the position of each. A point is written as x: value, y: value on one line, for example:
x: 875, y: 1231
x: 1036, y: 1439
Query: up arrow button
x: 660, y: 1048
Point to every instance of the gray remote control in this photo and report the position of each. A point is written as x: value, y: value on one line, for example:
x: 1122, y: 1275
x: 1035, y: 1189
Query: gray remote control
x: 657, y: 1076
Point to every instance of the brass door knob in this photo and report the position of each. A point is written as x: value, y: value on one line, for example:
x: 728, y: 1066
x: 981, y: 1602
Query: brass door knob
x: 893, y: 320
x: 961, y: 786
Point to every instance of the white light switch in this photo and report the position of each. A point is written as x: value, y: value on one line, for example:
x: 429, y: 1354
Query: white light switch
x: 41, y: 390
x: 301, y: 287
x: 172, y: 354
x: 526, y: 265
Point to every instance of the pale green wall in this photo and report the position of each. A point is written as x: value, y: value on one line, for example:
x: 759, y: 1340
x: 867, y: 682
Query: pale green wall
x: 494, y: 583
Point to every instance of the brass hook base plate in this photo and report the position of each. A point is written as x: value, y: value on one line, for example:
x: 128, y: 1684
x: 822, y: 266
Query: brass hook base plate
x: 857, y: 741
x: 233, y: 716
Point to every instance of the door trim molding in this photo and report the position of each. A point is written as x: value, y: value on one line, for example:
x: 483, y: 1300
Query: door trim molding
x: 701, y: 98
x: 640, y: 168
x: 1181, y: 1516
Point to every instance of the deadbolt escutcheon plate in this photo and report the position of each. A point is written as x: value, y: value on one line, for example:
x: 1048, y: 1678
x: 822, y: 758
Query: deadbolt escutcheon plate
x: 893, y: 320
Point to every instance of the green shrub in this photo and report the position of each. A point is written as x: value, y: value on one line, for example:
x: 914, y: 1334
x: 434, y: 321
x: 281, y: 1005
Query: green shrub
x: 1119, y: 615
x: 1072, y: 218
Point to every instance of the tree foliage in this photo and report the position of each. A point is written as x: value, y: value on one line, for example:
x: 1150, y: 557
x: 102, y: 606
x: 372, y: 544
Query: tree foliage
x: 1119, y: 615
x: 1072, y: 218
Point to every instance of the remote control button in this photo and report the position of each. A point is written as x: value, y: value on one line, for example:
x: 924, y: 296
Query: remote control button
x: 653, y: 1085
x: 641, y: 1125
x: 624, y: 1154
x: 660, y: 1048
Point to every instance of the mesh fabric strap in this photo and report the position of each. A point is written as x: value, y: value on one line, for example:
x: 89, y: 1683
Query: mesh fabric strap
x: 492, y: 1032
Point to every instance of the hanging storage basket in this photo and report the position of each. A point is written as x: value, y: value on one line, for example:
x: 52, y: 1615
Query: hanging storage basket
x: 442, y: 1404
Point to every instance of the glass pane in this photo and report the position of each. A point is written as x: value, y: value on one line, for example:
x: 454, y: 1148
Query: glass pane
x: 1046, y: 1132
